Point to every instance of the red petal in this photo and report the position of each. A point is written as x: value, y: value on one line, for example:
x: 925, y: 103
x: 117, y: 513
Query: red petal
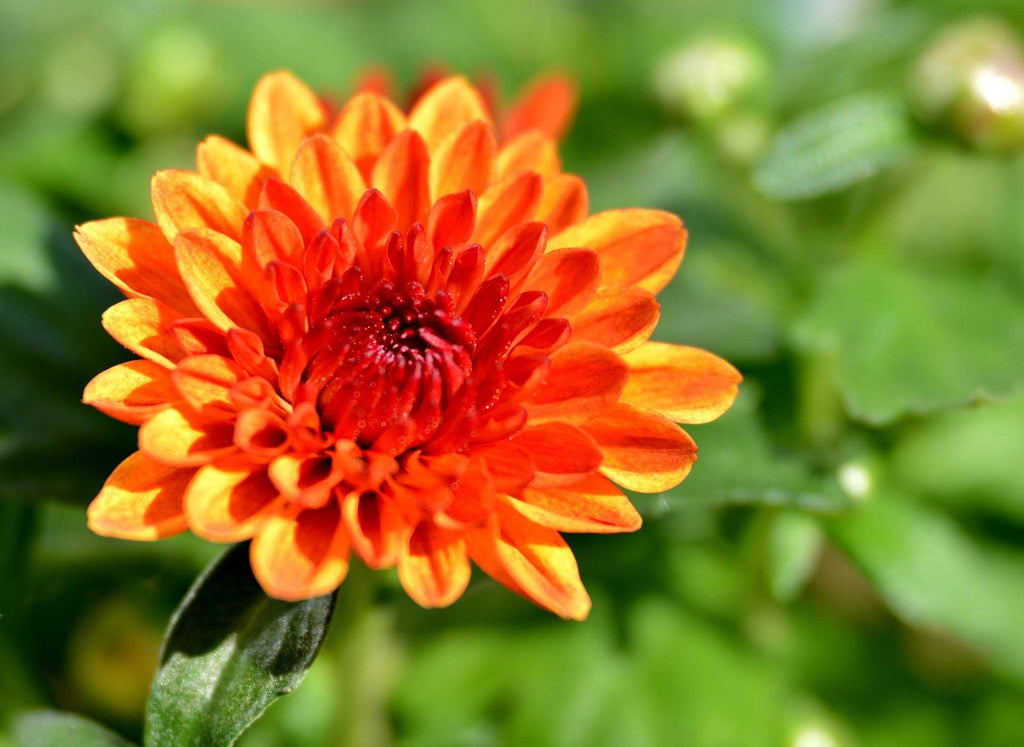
x: 569, y: 277
x: 141, y: 500
x: 506, y: 203
x: 562, y: 453
x: 375, y: 527
x: 452, y: 219
x: 585, y: 379
x: 401, y: 174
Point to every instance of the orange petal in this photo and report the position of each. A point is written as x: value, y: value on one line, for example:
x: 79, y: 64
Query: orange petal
x: 569, y: 277
x: 325, y: 175
x: 375, y: 527
x: 172, y: 438
x: 637, y: 246
x: 531, y: 151
x: 402, y: 176
x: 282, y: 112
x: 141, y: 500
x: 547, y: 105
x: 463, y: 160
x: 689, y: 385
x: 233, y: 167
x: 506, y: 203
x: 210, y: 265
x: 135, y: 256
x: 433, y: 566
x: 365, y: 126
x: 283, y: 198
x: 619, y: 318
x: 184, y: 199
x: 226, y: 500
x: 143, y: 325
x: 447, y: 107
x: 132, y: 392
x: 308, y: 480
x: 533, y: 561
x: 643, y: 450
x: 452, y: 219
x: 564, y: 202
x: 205, y: 382
x: 516, y: 250
x: 301, y: 554
x: 562, y: 453
x: 594, y: 505
x: 268, y: 235
x: 585, y: 379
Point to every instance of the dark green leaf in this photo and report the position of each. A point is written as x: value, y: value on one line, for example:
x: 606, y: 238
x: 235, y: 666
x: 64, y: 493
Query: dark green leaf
x: 933, y: 574
x: 55, y: 729
x: 835, y: 147
x: 910, y: 343
x: 230, y: 652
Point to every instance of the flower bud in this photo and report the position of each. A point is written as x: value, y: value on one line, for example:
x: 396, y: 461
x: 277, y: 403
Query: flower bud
x: 970, y: 81
x: 708, y: 77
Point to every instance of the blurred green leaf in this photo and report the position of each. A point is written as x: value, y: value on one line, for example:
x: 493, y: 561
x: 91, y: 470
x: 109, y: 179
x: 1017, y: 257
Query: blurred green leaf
x: 967, y: 459
x: 24, y: 226
x: 230, y: 652
x: 55, y: 729
x: 796, y: 543
x: 932, y: 574
x: 693, y: 681
x: 909, y: 343
x: 835, y: 147
x: 737, y: 465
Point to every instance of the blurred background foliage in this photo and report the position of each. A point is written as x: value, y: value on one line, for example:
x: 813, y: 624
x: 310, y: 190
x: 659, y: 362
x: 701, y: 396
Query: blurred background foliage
x: 845, y: 565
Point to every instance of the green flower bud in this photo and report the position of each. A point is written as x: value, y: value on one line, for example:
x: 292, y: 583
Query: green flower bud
x: 970, y: 81
x: 709, y: 76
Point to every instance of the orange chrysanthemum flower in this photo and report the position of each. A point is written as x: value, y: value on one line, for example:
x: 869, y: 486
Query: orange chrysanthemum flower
x: 393, y: 334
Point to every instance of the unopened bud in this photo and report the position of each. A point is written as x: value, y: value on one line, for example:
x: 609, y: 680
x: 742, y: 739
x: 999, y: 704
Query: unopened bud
x: 708, y: 77
x: 970, y: 81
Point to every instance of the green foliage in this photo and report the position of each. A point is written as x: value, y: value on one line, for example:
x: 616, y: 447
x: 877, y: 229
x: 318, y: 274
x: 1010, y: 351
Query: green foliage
x: 230, y: 652
x: 54, y: 729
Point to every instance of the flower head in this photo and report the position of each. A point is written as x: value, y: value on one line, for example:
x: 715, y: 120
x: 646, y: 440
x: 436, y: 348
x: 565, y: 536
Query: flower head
x: 392, y: 335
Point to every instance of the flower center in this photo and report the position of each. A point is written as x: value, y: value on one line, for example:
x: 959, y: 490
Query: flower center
x: 387, y: 358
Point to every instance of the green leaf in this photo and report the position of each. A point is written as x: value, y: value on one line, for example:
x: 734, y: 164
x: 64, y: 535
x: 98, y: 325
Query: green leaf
x: 909, y: 343
x: 55, y: 729
x: 967, y: 460
x: 796, y: 543
x: 738, y: 466
x: 230, y: 652
x: 835, y: 147
x: 933, y: 574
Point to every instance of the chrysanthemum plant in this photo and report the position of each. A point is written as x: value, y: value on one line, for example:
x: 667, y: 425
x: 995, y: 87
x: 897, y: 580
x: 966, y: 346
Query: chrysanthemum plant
x: 385, y: 335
